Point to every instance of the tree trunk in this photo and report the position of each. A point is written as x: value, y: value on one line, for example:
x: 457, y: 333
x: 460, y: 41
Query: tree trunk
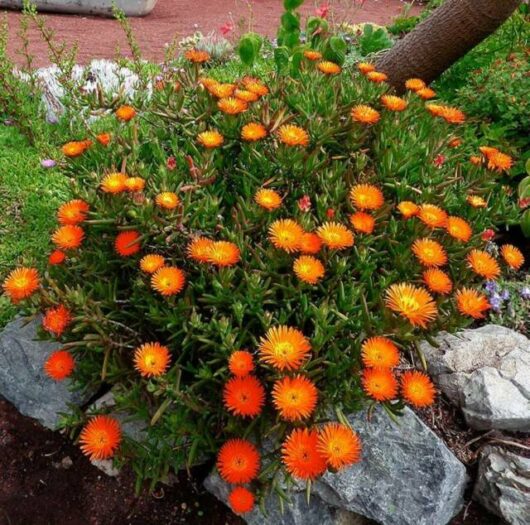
x: 440, y: 40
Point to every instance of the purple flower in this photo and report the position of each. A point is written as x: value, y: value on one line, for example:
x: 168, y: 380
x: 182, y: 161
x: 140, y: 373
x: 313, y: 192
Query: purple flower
x: 505, y: 295
x: 525, y: 292
x: 48, y: 163
x: 491, y: 286
x: 496, y: 302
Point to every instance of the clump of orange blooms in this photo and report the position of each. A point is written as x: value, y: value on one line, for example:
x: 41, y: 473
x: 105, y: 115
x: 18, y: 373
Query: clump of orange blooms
x: 248, y: 253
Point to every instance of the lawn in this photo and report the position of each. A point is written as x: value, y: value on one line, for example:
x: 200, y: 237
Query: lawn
x: 29, y: 195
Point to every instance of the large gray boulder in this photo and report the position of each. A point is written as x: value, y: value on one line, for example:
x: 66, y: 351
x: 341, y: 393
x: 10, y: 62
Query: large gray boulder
x: 486, y: 372
x: 22, y: 378
x: 503, y: 485
x: 297, y: 512
x: 407, y: 476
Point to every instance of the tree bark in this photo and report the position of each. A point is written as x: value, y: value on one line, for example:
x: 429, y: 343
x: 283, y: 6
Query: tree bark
x: 447, y: 34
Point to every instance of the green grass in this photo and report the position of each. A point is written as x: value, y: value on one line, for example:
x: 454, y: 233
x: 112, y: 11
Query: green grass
x: 29, y: 196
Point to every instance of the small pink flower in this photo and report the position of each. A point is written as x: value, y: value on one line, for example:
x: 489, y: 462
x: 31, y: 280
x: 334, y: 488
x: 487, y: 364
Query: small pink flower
x: 226, y: 28
x: 488, y: 234
x: 524, y: 203
x: 171, y: 163
x: 439, y: 161
x: 330, y: 213
x: 304, y: 203
x: 323, y: 10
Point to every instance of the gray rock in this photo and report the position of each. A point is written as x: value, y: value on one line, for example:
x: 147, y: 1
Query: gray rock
x: 407, y: 476
x: 297, y: 512
x: 503, y: 485
x: 486, y: 372
x: 22, y: 378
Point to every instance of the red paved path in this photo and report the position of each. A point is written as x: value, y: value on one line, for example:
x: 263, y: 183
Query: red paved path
x: 98, y: 37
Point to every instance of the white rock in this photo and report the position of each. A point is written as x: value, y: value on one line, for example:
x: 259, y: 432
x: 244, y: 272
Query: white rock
x: 486, y: 372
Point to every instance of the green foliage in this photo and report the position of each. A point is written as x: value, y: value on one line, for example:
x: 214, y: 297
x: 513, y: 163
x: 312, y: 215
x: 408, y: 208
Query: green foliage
x: 249, y: 48
x: 403, y: 24
x: 372, y: 41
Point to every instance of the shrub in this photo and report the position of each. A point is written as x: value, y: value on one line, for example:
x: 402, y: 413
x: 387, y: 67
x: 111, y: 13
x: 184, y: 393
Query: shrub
x: 245, y: 261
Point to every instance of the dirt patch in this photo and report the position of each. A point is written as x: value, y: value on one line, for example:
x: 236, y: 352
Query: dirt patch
x: 44, y: 479
x: 99, y: 37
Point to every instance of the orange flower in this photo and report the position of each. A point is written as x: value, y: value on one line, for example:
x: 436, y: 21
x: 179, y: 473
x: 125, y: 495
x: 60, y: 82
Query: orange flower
x: 104, y: 138
x: 125, y: 113
x: 241, y: 500
x: 151, y: 263
x: 245, y: 95
x: 253, y: 131
x: 151, y: 359
x: 286, y: 234
x: 21, y: 283
x: 224, y: 253
x: 455, y: 142
x: 168, y: 280
x: 476, y: 201
x: 417, y: 389
x: 312, y: 55
x: 210, y: 139
x: 135, y: 184
x: 221, y: 90
x: 100, y: 438
x: 426, y: 93
x: 379, y: 352
x: 255, y: 85
x: 365, y: 67
x: 199, y: 249
x: 448, y: 113
x: 459, y: 229
x: 268, y: 199
x: 310, y: 243
x: 512, y: 255
x: 284, y: 347
x: 241, y: 363
x: 75, y: 148
x: 238, y: 461
x: 379, y: 383
x: 196, y: 56
x: 475, y: 160
x: 244, y: 396
x: 73, y: 212
x: 471, y: 302
x: 56, y: 257
x: 232, y: 105
x: 487, y: 151
x: 483, y: 264
x: 408, y: 209
x: 365, y: 114
x: 301, y: 456
x: 435, y: 109
x: 293, y: 135
x: 114, y: 183
x: 362, y: 222
x: 167, y: 200
x: 376, y: 76
x: 56, y: 320
x: 69, y: 236
x: 429, y: 252
x: 411, y: 302
x: 339, y: 445
x: 499, y: 161
x: 394, y: 103
x: 415, y: 84
x: 127, y: 243
x: 432, y: 216
x: 295, y: 398
x: 366, y: 197
x: 437, y: 281
x: 308, y: 269
x: 329, y: 68
x: 208, y: 82
x: 59, y: 365
x: 335, y: 235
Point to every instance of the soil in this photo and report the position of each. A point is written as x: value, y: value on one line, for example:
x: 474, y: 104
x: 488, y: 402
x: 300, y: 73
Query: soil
x: 98, y: 37
x: 45, y: 480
